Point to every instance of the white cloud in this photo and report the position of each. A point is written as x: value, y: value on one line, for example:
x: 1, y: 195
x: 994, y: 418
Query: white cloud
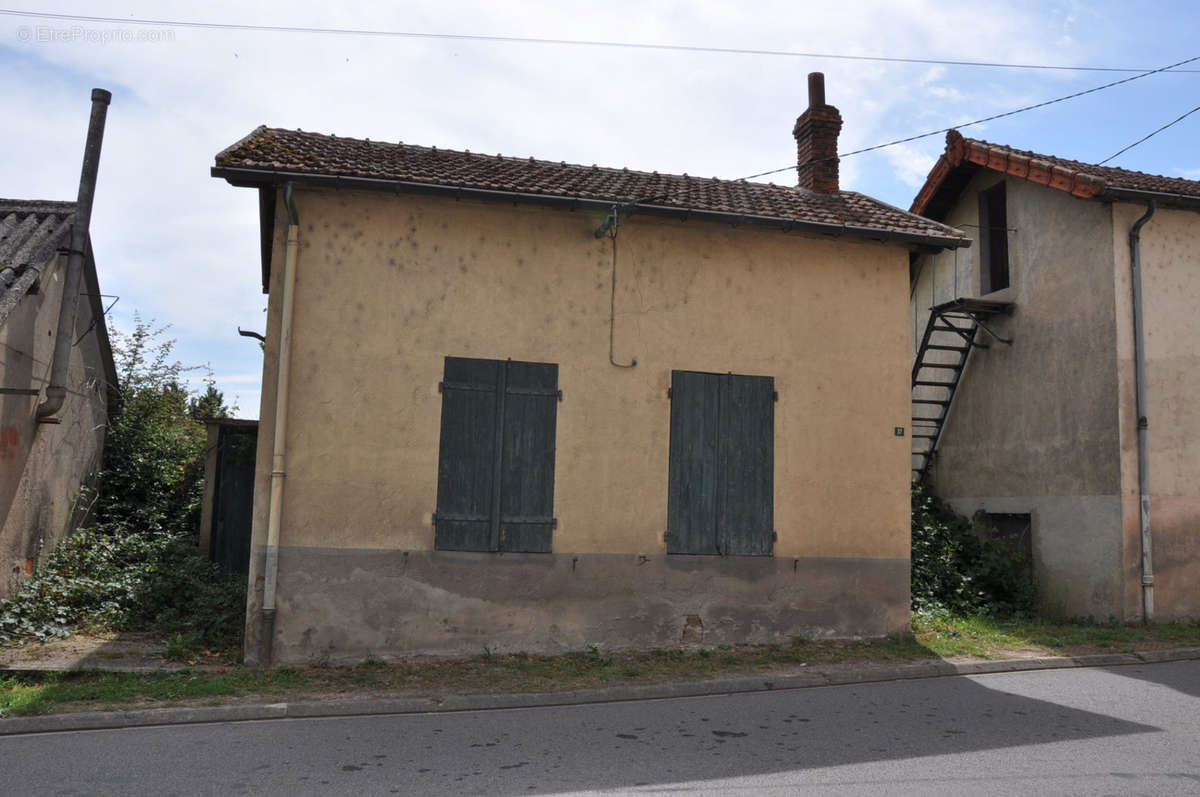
x: 183, y: 248
x: 911, y: 163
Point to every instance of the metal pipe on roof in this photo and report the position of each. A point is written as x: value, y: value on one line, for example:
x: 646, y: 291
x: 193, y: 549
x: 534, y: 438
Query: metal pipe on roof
x: 1143, y: 444
x: 56, y: 391
x: 279, y: 433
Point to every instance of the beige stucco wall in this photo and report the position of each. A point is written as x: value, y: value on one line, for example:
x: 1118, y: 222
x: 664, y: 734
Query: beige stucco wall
x: 387, y: 286
x: 1170, y: 254
x: 42, y: 466
x: 1034, y: 426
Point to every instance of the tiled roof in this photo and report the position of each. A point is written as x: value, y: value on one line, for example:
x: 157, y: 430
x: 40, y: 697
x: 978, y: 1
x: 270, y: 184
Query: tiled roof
x: 30, y: 232
x: 1084, y: 180
x: 273, y: 151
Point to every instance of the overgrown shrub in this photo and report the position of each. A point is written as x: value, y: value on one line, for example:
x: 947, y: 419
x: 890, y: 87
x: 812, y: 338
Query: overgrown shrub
x: 137, y: 566
x: 960, y: 566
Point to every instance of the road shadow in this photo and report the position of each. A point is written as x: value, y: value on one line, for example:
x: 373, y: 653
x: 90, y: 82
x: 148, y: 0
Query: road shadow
x: 1182, y: 676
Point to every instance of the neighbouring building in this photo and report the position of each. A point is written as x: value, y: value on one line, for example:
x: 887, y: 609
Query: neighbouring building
x: 1043, y: 430
x: 227, y: 507
x: 57, y: 379
x: 532, y: 406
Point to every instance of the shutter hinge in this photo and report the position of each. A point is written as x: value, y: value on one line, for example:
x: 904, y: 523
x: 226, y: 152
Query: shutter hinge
x: 774, y: 395
x: 554, y: 524
x: 433, y: 519
x: 666, y: 536
x: 669, y: 396
x: 774, y: 537
x: 560, y: 397
x: 441, y: 387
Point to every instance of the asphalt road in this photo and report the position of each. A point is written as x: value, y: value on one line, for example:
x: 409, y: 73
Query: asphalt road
x: 1119, y: 731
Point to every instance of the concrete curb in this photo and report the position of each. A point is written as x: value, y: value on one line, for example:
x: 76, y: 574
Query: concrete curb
x: 106, y: 720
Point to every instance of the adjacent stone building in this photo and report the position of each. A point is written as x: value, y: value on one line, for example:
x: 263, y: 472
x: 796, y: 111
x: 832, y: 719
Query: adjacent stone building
x: 44, y: 463
x: 514, y: 404
x: 1043, y: 431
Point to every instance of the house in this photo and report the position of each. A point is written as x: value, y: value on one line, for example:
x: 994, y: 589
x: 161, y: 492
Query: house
x: 57, y: 379
x: 1045, y: 428
x: 520, y: 405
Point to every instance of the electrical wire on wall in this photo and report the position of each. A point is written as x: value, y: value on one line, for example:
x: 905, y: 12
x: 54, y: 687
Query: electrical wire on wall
x: 609, y: 228
x: 612, y: 223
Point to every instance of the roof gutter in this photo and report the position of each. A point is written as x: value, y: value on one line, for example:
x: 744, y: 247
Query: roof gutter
x: 261, y: 177
x: 1158, y: 197
x: 1143, y: 446
x: 56, y: 391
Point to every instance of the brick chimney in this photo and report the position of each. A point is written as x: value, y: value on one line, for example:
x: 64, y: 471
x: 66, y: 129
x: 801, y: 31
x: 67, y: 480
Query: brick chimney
x: 816, y: 133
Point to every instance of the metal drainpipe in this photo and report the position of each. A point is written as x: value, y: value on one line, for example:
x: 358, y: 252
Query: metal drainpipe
x: 1143, y: 452
x: 278, y: 471
x: 56, y: 391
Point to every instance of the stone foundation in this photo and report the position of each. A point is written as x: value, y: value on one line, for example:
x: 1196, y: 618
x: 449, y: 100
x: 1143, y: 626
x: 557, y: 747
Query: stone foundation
x: 343, y: 604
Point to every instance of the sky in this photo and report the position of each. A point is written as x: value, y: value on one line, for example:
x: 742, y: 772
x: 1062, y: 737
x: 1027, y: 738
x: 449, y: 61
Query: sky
x: 177, y: 247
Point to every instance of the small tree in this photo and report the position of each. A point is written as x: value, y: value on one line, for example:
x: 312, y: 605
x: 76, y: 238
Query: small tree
x: 209, y: 404
x: 154, y: 451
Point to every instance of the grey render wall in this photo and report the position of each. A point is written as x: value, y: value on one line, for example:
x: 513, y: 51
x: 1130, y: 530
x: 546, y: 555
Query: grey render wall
x: 396, y: 604
x: 1034, y: 426
x: 42, y: 466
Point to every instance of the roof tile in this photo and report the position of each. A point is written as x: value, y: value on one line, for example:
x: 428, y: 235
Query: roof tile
x: 1084, y: 180
x: 31, y: 232
x: 297, y: 152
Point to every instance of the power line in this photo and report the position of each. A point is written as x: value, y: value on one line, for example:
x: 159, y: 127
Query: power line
x: 565, y: 42
x: 1150, y: 135
x: 1001, y: 116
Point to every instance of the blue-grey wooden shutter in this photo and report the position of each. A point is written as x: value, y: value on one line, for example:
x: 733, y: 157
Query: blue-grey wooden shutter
x: 468, y: 455
x: 692, y: 491
x: 527, y: 461
x: 722, y: 464
x: 746, y: 451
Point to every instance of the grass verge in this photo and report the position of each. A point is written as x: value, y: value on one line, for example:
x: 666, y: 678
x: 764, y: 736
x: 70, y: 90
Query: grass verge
x: 25, y: 694
x: 990, y: 638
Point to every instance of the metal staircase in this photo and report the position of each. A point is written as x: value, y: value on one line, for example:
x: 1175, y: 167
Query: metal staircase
x: 950, y: 335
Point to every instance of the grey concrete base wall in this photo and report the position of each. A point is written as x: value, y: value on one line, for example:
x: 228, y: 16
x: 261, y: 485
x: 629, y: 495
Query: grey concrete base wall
x: 1077, y: 549
x: 346, y: 604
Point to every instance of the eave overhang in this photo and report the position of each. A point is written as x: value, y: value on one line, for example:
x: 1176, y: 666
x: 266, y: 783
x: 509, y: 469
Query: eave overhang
x: 267, y: 181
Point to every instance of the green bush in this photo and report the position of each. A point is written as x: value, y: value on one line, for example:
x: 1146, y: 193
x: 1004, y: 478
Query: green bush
x: 960, y: 566
x: 137, y: 567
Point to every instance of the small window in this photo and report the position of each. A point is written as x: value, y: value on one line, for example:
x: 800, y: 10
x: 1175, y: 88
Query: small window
x: 722, y: 464
x: 496, y: 460
x: 993, y: 240
x: 1016, y: 528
